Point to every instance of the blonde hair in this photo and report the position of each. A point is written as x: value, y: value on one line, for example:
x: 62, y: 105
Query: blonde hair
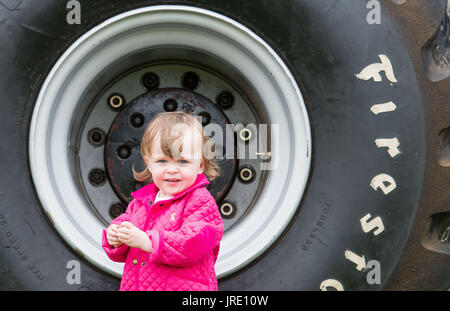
x: 162, y: 126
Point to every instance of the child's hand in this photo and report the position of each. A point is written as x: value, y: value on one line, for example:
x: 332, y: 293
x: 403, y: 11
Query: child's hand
x: 112, y: 237
x: 134, y: 237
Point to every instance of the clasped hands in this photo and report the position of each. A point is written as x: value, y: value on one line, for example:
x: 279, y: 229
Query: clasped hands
x: 129, y: 234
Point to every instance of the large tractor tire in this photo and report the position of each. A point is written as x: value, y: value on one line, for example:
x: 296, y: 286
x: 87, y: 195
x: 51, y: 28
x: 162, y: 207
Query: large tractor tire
x: 340, y: 200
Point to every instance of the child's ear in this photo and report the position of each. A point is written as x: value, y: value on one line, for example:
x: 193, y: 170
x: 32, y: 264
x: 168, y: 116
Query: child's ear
x: 146, y: 159
x: 202, y: 167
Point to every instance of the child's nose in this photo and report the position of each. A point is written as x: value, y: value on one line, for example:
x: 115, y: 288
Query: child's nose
x: 172, y: 167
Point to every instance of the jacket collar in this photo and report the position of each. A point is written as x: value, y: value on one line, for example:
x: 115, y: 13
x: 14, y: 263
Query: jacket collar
x: 148, y: 192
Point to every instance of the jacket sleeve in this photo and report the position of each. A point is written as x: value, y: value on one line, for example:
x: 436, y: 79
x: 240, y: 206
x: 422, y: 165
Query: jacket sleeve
x: 118, y: 254
x: 199, y: 235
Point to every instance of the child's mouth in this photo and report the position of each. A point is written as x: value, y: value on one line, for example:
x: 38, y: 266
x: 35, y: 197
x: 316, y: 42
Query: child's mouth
x: 172, y: 180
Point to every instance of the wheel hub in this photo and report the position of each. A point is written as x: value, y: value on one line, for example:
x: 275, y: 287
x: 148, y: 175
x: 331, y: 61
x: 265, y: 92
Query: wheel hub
x: 122, y: 148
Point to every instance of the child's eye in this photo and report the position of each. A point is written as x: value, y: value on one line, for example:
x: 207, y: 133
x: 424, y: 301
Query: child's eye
x: 183, y: 161
x: 161, y: 161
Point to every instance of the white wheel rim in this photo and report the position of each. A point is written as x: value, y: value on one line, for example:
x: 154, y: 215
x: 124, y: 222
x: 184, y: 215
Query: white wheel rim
x: 180, y: 26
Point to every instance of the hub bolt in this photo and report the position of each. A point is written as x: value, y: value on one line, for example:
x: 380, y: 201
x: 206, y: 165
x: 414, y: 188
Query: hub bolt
x: 225, y: 99
x: 116, y: 101
x: 97, y: 177
x: 96, y: 136
x: 150, y: 81
x: 116, y: 210
x: 246, y: 174
x: 190, y: 80
x: 227, y: 210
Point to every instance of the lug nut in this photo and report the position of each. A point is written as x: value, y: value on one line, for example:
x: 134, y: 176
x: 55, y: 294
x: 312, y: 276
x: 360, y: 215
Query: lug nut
x: 245, y: 134
x: 150, y: 81
x: 225, y: 99
x: 96, y: 136
x: 170, y: 105
x: 116, y: 210
x: 116, y: 101
x: 227, y: 210
x: 206, y: 117
x: 123, y: 151
x: 97, y: 177
x: 246, y: 174
x: 137, y: 120
x: 190, y: 80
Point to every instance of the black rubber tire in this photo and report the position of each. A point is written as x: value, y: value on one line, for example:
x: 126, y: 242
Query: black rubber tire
x: 325, y: 43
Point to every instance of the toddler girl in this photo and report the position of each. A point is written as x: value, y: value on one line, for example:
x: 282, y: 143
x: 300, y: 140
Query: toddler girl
x: 169, y: 235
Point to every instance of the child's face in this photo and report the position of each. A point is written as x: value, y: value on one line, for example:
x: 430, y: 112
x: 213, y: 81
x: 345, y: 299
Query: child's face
x: 184, y: 170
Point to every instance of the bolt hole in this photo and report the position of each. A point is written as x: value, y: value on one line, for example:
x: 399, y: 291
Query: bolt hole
x: 170, y: 105
x: 246, y: 174
x: 137, y: 120
x: 124, y: 152
x: 96, y: 137
x: 190, y: 80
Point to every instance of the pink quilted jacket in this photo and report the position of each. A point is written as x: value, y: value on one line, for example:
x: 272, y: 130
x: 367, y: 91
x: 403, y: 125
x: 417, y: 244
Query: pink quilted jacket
x: 185, y: 231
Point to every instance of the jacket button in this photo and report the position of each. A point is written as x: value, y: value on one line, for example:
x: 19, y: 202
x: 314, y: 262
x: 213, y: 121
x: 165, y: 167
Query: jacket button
x: 143, y: 263
x: 134, y: 261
